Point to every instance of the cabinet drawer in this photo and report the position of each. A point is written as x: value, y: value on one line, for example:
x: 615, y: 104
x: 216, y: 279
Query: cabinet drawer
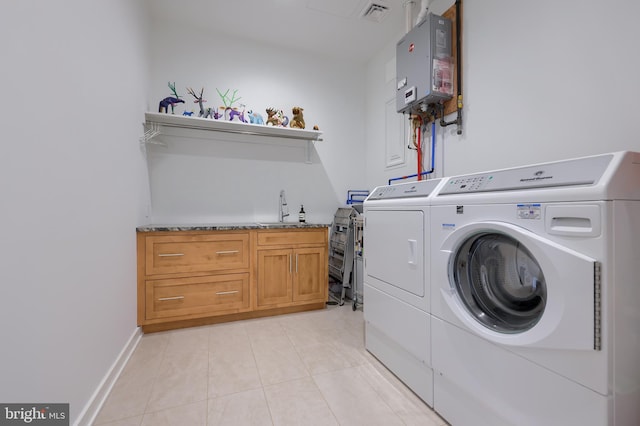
x: 293, y: 237
x: 206, y: 295
x: 196, y: 253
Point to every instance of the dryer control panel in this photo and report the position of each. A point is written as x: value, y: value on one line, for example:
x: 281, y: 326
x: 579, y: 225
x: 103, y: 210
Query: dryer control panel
x: 405, y: 190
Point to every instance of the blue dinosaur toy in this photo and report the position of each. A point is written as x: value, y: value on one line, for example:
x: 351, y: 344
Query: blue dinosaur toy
x: 255, y: 118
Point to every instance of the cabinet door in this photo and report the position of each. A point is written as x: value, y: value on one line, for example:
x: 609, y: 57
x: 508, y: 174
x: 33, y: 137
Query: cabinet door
x: 310, y: 279
x: 274, y: 277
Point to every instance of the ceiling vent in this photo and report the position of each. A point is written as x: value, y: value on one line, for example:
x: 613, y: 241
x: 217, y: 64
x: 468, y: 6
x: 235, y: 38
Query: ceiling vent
x: 374, y: 12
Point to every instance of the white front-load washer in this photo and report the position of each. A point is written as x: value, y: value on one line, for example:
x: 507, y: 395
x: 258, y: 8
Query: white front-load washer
x: 536, y: 294
x: 396, y: 281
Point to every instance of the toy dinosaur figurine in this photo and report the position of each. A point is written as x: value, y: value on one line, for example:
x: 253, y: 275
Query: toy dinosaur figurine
x: 255, y: 118
x: 170, y: 101
x: 198, y: 100
x: 297, y: 121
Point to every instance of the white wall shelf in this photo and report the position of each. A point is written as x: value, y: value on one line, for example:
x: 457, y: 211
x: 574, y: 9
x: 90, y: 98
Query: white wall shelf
x: 155, y: 122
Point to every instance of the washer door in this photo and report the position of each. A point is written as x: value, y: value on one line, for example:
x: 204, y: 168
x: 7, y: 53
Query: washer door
x: 514, y: 287
x: 500, y: 282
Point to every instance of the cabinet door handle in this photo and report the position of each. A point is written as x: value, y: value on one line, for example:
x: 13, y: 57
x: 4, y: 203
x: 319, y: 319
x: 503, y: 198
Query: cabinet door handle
x: 163, y: 299
x: 220, y: 293
x: 228, y: 252
x: 170, y: 254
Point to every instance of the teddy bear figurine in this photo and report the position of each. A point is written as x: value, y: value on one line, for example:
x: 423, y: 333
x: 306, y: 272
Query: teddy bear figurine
x: 298, y: 120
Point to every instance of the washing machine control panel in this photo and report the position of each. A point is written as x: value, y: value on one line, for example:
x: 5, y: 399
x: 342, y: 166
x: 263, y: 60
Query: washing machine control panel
x: 468, y: 184
x: 404, y: 190
x: 583, y: 171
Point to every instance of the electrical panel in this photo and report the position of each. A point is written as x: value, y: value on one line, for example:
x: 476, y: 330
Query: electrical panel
x: 424, y: 66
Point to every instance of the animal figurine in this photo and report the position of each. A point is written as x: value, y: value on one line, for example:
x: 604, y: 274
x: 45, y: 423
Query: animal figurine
x: 255, y: 118
x: 275, y: 117
x: 198, y: 100
x: 212, y: 113
x: 284, y: 120
x: 170, y: 101
x: 272, y: 118
x: 298, y: 120
x: 234, y: 113
x: 228, y: 102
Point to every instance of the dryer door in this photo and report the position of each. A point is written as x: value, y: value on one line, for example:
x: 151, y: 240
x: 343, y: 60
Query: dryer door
x: 514, y: 287
x: 395, y: 251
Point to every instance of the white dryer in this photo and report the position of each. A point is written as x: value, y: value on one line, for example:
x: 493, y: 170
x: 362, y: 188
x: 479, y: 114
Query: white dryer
x: 536, y: 294
x: 396, y: 281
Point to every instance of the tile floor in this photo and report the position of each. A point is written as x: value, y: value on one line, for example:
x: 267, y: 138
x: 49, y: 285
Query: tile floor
x: 300, y: 369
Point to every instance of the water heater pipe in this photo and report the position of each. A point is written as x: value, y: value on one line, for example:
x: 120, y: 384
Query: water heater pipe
x: 433, y: 158
x: 424, y: 9
x: 408, y: 14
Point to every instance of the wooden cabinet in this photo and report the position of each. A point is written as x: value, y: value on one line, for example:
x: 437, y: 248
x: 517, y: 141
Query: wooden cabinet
x: 189, y: 275
x: 188, y: 278
x: 292, y: 267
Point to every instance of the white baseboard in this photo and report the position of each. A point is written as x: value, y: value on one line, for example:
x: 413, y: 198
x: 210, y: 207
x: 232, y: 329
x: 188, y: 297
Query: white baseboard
x: 91, y: 410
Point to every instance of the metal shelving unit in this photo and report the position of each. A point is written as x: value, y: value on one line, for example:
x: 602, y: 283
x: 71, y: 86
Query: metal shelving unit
x: 341, y: 251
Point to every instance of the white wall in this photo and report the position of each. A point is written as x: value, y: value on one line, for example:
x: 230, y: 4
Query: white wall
x: 542, y: 81
x: 229, y: 180
x: 74, y: 90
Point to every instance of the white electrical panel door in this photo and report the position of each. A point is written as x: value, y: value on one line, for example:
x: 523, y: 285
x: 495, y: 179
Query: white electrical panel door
x: 395, y: 251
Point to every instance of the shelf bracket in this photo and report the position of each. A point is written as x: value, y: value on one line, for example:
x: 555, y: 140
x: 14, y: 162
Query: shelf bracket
x: 151, y: 131
x: 307, y: 152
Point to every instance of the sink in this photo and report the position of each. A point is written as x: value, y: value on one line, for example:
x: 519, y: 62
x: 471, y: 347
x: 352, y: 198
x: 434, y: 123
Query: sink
x: 278, y: 224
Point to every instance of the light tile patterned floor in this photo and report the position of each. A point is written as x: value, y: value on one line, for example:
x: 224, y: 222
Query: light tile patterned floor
x: 301, y: 369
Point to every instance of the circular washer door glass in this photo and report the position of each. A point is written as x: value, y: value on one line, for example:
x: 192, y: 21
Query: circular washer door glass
x: 500, y: 282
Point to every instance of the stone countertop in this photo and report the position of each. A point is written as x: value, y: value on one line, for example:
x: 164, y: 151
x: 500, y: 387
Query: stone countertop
x: 229, y: 226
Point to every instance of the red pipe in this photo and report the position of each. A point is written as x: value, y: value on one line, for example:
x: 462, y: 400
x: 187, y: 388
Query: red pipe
x: 417, y: 127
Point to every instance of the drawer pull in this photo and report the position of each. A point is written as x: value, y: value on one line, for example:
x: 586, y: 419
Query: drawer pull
x: 170, y: 254
x: 220, y: 293
x: 228, y: 252
x: 162, y: 299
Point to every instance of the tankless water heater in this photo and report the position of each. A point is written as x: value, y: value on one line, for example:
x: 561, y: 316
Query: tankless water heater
x: 424, y: 66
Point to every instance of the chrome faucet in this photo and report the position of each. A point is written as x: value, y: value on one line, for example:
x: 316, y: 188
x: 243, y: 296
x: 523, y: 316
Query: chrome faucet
x: 283, y: 210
